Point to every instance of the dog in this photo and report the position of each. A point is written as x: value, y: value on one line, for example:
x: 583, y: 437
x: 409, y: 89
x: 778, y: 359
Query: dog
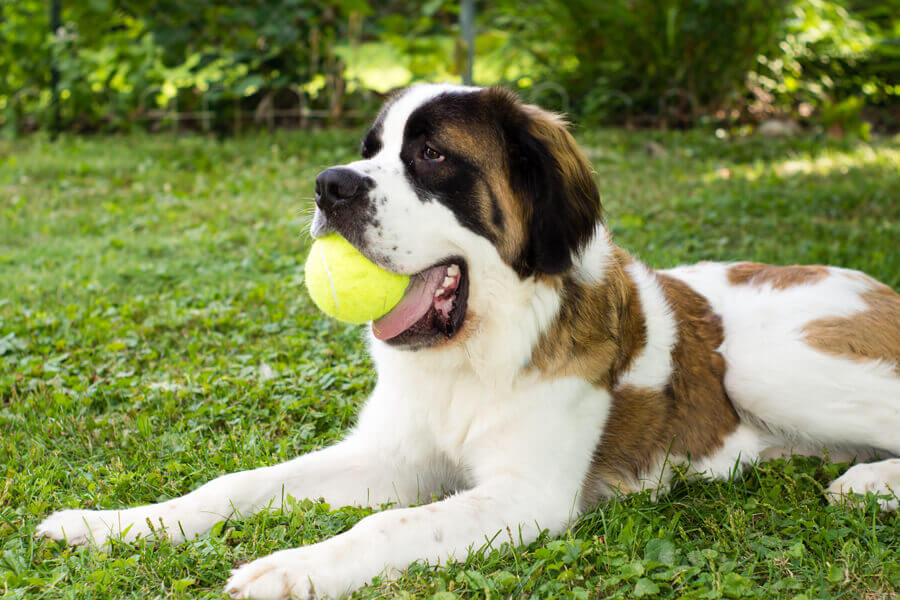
x: 533, y: 368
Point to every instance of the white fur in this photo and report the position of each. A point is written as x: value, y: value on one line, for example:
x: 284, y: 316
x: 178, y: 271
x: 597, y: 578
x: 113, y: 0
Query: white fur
x: 653, y: 366
x: 880, y: 478
x: 594, y: 260
x: 740, y: 448
x: 777, y: 381
x: 493, y: 454
x: 792, y: 398
x: 520, y: 457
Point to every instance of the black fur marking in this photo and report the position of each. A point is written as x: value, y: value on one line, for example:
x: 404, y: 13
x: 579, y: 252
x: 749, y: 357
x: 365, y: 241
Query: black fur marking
x: 371, y: 144
x: 454, y: 181
x: 496, y: 213
x: 563, y: 212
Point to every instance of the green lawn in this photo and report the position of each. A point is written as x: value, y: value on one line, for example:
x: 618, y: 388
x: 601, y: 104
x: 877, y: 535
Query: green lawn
x: 144, y: 281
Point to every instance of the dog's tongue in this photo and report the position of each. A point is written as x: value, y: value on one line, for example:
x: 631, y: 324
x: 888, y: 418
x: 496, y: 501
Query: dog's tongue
x: 415, y: 304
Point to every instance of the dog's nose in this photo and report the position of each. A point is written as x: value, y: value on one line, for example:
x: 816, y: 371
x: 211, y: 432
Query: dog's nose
x: 339, y: 185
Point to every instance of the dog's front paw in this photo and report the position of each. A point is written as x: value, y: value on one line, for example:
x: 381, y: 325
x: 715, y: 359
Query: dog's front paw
x: 265, y: 579
x: 85, y: 527
x: 301, y: 573
x: 78, y: 527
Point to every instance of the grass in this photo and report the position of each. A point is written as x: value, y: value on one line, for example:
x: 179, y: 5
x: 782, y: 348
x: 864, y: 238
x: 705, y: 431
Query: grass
x: 147, y: 280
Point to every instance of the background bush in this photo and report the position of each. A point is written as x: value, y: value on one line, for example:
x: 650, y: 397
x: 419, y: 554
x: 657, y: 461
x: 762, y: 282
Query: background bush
x: 119, y: 62
x: 839, y: 58
x: 637, y: 62
x: 664, y: 60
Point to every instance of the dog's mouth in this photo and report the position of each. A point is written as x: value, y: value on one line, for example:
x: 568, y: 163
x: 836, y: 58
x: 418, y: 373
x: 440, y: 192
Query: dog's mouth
x: 433, y: 307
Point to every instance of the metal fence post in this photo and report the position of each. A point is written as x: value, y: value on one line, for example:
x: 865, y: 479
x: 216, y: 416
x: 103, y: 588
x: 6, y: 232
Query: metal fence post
x: 55, y: 24
x: 467, y: 27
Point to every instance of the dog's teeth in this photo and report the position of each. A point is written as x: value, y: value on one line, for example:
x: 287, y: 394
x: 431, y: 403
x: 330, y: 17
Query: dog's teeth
x: 449, y: 306
x: 453, y: 270
x: 439, y: 291
x: 448, y: 281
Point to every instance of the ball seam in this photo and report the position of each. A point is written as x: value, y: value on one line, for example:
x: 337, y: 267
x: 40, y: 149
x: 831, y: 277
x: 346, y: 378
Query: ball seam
x: 331, y: 283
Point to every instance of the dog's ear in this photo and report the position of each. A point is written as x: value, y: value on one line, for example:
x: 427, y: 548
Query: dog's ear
x: 552, y: 179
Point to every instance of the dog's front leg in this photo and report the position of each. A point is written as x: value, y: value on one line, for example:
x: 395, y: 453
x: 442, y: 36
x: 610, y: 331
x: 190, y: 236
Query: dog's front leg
x: 527, y: 458
x: 389, y: 542
x: 361, y: 470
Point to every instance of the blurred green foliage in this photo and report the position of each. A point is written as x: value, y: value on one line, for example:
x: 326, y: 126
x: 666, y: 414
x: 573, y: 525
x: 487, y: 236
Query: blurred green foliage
x: 635, y: 62
x: 119, y: 60
x: 838, y: 57
x: 665, y: 60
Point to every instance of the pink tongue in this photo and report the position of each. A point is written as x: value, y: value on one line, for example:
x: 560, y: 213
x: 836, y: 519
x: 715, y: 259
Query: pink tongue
x: 415, y: 304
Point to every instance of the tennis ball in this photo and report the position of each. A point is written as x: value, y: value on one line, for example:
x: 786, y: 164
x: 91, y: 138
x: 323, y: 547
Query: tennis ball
x: 346, y: 285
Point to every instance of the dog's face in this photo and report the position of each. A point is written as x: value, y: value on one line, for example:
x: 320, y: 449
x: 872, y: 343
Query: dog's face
x: 456, y: 182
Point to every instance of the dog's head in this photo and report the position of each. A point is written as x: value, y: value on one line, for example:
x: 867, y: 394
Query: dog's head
x: 454, y: 183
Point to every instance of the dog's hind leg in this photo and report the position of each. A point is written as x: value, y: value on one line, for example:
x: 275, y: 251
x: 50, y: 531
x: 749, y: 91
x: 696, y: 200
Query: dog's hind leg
x: 881, y: 478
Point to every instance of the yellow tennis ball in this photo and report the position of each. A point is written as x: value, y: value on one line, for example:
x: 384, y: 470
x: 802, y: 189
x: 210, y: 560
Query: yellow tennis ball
x: 346, y: 285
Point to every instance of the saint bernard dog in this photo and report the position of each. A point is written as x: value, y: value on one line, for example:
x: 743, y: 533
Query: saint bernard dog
x: 534, y: 369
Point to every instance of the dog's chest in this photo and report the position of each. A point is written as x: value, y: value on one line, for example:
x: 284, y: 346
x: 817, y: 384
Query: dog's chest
x: 457, y: 409
x: 472, y: 424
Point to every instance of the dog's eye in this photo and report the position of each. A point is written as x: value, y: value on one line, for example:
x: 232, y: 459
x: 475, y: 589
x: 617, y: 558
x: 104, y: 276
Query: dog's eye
x: 432, y: 155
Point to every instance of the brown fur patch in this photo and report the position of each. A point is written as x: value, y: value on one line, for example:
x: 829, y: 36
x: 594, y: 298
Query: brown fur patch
x: 482, y: 147
x: 547, y: 191
x: 690, y: 417
x: 552, y: 131
x: 598, y: 330
x: 873, y: 334
x: 512, y: 229
x: 499, y: 210
x: 780, y: 278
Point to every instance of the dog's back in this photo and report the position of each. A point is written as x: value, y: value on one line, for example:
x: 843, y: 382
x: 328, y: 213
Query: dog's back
x: 812, y: 352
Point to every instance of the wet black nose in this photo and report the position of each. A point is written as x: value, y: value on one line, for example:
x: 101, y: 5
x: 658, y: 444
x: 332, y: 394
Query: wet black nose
x: 340, y: 185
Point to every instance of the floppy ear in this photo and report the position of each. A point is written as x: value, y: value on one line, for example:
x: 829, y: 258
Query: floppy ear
x: 553, y: 180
